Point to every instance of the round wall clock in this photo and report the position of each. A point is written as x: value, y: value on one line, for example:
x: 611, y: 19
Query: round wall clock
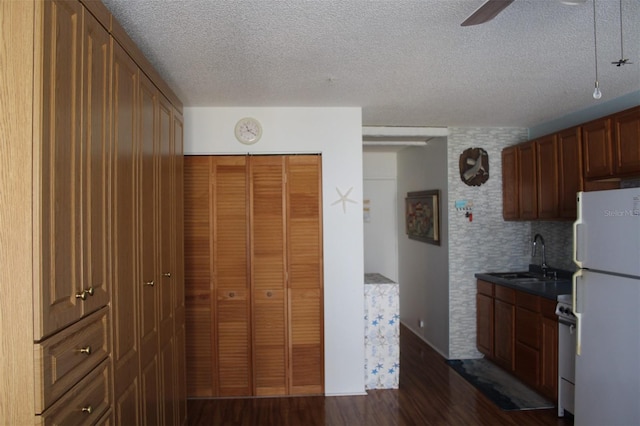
x: 248, y: 130
x: 474, y: 166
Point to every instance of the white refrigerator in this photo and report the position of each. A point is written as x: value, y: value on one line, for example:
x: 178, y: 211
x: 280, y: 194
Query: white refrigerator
x: 606, y: 302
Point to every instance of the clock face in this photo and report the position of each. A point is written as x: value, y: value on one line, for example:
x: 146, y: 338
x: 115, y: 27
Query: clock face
x: 248, y: 130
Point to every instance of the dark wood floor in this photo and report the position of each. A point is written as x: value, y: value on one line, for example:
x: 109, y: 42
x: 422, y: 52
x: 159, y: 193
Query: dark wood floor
x: 430, y: 393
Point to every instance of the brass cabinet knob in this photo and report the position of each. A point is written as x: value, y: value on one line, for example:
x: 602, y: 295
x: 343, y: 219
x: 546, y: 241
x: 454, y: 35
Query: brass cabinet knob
x: 86, y: 350
x: 88, y: 409
x: 82, y: 295
x: 149, y: 283
x: 167, y: 274
x: 89, y: 291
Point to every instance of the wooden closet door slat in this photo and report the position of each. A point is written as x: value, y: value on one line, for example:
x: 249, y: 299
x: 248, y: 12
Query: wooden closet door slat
x: 305, y: 274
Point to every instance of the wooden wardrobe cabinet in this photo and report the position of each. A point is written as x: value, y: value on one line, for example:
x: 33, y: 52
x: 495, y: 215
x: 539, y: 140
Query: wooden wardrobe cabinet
x: 77, y: 323
x: 253, y: 248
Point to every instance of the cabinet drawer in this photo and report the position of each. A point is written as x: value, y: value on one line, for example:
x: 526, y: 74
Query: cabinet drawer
x: 485, y: 288
x: 63, y: 359
x: 505, y: 294
x: 85, y: 403
x: 528, y: 301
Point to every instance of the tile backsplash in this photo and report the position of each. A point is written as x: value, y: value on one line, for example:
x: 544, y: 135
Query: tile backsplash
x: 558, y: 239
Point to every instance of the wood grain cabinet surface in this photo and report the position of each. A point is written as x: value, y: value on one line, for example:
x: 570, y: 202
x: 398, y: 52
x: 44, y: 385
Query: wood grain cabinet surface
x: 525, y: 334
x: 74, y: 288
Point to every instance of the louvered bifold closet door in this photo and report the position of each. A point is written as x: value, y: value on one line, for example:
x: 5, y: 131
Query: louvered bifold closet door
x: 231, y: 276
x: 305, y: 274
x: 268, y: 275
x: 198, y: 277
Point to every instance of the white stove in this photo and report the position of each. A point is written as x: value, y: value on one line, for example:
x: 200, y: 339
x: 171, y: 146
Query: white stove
x: 566, y: 354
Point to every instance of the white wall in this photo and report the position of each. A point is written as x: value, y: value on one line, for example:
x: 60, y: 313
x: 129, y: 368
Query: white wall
x: 336, y: 133
x: 423, y: 268
x: 380, y: 230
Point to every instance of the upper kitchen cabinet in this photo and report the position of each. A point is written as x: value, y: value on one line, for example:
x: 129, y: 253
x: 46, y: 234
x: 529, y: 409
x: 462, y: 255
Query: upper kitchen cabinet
x: 612, y: 146
x: 527, y: 188
x: 510, y: 183
x: 598, y: 152
x: 547, y: 177
x: 626, y: 142
x: 570, y: 179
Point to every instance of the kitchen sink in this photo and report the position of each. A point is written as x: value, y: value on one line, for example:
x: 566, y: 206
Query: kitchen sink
x: 521, y: 277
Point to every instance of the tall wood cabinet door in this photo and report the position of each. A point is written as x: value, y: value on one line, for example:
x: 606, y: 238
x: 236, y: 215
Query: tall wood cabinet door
x: 510, y: 206
x: 304, y: 248
x: 61, y: 290
x: 148, y: 282
x: 597, y: 149
x: 198, y: 277
x: 96, y: 169
x: 570, y: 179
x: 268, y: 274
x: 126, y: 280
x: 549, y: 358
x: 527, y: 181
x: 626, y: 139
x: 547, y: 177
x: 167, y: 271
x: 178, y: 281
x: 484, y: 324
x: 166, y: 214
x: 230, y: 216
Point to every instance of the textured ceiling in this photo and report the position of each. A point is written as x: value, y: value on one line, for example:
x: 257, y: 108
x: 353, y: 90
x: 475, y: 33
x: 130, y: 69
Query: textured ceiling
x: 405, y: 62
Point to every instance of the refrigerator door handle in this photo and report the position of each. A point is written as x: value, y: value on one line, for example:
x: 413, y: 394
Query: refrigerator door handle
x: 576, y: 230
x: 574, y: 297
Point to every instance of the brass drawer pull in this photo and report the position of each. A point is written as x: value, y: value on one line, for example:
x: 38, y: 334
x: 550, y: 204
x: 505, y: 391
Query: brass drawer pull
x: 88, y: 409
x: 167, y: 274
x: 149, y: 283
x: 86, y: 350
x: 82, y: 295
x: 89, y: 291
x: 232, y: 294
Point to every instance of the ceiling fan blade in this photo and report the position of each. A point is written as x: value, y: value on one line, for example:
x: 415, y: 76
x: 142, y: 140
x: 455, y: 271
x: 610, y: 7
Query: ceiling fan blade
x: 486, y: 12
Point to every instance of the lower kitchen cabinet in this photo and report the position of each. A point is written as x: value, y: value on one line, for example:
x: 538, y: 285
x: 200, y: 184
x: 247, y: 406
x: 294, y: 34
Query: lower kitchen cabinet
x: 524, y: 335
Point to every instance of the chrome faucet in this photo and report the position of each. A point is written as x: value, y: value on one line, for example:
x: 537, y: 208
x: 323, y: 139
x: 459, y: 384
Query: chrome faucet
x: 543, y: 265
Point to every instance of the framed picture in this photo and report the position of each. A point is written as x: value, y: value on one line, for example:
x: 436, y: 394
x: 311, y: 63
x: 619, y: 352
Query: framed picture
x: 422, y: 216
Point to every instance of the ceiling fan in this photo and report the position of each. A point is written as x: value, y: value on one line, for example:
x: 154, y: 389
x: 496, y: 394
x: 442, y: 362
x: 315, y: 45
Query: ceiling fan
x: 491, y: 8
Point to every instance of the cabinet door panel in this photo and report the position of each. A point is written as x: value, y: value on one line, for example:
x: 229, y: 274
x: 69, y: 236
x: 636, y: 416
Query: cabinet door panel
x: 547, y: 177
x: 549, y: 358
x: 125, y: 204
x: 510, y: 199
x: 597, y: 148
x: 527, y: 181
x: 570, y: 179
x: 61, y: 154
x: 626, y: 131
x: 96, y: 157
x: 504, y: 334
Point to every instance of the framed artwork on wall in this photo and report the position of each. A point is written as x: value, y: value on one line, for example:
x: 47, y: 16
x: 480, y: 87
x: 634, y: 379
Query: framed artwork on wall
x: 422, y: 216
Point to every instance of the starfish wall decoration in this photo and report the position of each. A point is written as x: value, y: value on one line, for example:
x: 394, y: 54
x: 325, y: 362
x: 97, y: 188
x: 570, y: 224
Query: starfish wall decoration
x: 344, y: 199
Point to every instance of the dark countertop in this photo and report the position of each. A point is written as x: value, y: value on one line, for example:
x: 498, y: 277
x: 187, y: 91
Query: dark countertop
x: 547, y: 289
